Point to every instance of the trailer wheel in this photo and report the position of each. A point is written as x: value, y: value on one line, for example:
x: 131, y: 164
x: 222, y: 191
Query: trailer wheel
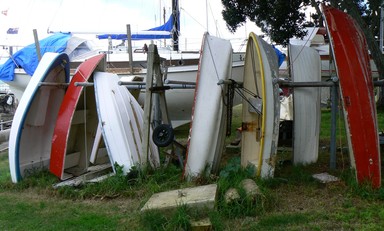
x: 163, y: 135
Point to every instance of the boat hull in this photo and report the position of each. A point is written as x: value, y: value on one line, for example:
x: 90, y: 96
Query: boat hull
x: 207, y: 129
x: 121, y: 119
x: 76, y: 124
x: 352, y: 61
x: 261, y: 109
x: 35, y: 117
x: 305, y: 67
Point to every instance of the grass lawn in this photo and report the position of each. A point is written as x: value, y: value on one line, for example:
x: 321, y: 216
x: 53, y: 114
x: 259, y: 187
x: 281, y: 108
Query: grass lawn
x: 292, y: 200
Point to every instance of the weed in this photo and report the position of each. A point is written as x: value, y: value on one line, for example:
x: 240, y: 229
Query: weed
x: 216, y: 220
x: 153, y: 220
x: 231, y: 177
x: 180, y: 219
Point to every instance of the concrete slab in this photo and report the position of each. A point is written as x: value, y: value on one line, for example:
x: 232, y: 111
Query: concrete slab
x: 197, y: 197
x: 325, y: 177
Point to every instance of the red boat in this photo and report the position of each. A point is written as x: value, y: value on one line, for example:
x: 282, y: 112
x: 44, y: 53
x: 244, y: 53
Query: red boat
x: 350, y: 52
x: 76, y: 124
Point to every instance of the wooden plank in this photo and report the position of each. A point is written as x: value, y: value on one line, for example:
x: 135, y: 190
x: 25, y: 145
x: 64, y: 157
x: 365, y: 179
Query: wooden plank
x: 93, y: 172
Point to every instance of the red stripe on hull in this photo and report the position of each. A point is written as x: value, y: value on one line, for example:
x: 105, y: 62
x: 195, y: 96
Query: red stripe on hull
x: 66, y: 112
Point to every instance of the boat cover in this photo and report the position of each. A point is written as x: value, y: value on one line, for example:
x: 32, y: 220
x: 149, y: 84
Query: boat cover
x: 26, y: 58
x: 160, y: 32
x: 280, y: 55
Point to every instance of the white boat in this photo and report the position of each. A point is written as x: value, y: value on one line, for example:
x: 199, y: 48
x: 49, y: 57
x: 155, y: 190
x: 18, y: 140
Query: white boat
x: 121, y: 119
x: 261, y: 108
x: 305, y: 67
x: 207, y: 132
x: 35, y: 117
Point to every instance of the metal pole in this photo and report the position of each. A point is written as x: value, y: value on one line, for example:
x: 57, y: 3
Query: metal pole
x: 334, y: 106
x: 381, y: 28
x: 206, y: 13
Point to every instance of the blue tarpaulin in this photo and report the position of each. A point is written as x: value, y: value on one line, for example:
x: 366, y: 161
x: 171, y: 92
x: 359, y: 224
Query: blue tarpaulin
x: 26, y: 58
x: 280, y: 55
x: 160, y: 32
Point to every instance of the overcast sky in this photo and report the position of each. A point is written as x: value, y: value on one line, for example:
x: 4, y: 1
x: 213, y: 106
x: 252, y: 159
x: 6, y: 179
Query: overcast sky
x: 113, y: 15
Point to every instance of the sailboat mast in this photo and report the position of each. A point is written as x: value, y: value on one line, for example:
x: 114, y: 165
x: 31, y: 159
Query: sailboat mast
x: 175, y: 30
x: 165, y: 41
x: 382, y: 28
x: 206, y: 13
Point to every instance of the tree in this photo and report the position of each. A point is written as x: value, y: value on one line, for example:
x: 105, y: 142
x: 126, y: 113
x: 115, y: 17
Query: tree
x: 279, y: 19
x: 284, y: 19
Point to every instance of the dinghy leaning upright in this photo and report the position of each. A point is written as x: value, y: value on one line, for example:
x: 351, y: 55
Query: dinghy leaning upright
x: 35, y: 117
x: 261, y: 108
x: 350, y: 51
x: 207, y: 131
x: 305, y: 66
x: 76, y: 127
x: 121, y: 119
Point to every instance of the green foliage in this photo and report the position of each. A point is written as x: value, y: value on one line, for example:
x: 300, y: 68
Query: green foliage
x: 231, y: 177
x: 119, y: 184
x: 153, y: 220
x: 363, y: 190
x: 300, y: 175
x: 283, y: 221
x: 282, y: 19
x: 233, y: 172
x: 279, y: 19
x: 179, y: 219
x: 217, y: 220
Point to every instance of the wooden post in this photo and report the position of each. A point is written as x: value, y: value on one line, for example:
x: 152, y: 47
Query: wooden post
x: 153, y: 68
x: 163, y: 103
x: 37, y: 44
x: 154, y: 80
x: 129, y: 40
